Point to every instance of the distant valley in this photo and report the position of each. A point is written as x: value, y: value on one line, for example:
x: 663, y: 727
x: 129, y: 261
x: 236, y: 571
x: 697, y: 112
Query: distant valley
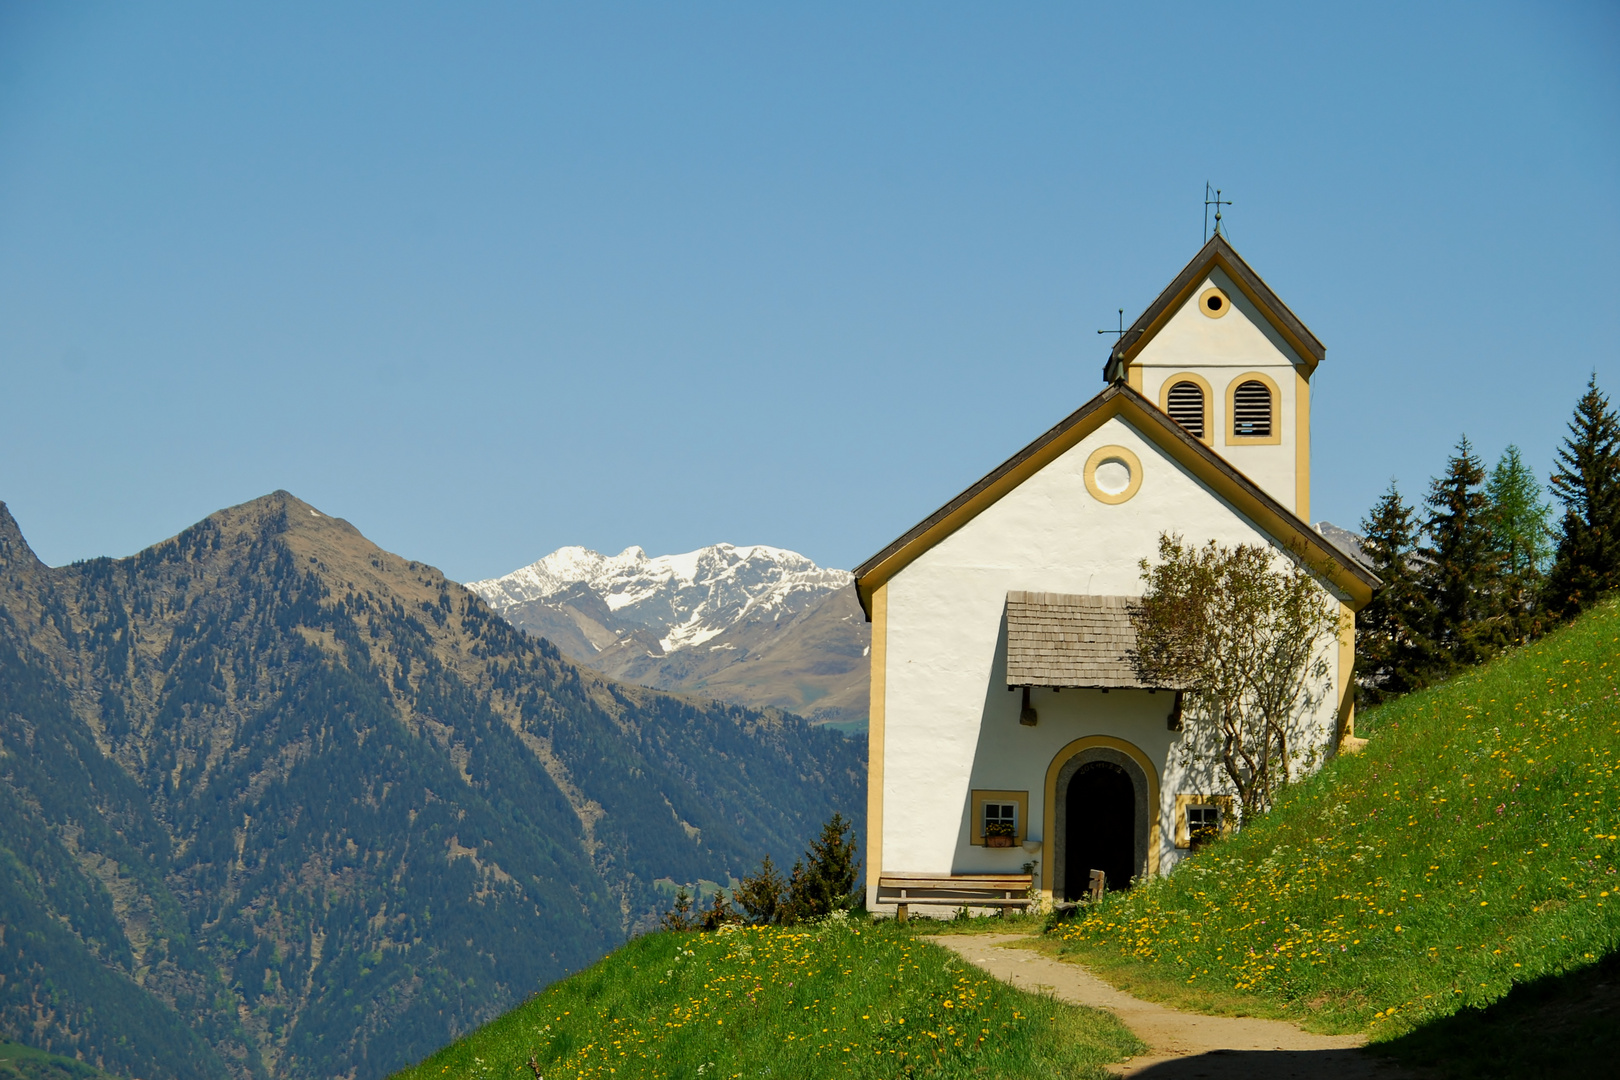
x: 756, y: 626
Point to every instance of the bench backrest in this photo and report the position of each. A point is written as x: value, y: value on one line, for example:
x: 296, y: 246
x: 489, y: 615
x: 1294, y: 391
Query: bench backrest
x: 953, y: 882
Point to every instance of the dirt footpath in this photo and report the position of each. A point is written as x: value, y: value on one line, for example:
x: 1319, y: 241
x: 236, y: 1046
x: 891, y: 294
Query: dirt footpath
x: 1182, y: 1044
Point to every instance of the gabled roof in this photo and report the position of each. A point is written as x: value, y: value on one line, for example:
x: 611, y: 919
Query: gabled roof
x: 1267, y: 513
x: 1215, y: 253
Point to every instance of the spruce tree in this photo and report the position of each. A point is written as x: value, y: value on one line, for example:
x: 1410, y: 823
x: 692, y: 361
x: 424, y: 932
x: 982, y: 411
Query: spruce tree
x: 824, y: 880
x: 1393, y: 654
x: 1460, y: 576
x: 1520, y: 538
x: 719, y: 914
x: 1587, y: 483
x: 760, y: 895
x: 679, y: 917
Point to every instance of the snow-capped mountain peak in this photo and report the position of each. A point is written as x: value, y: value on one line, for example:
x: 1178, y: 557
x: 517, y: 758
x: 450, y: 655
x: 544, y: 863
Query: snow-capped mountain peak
x: 685, y: 599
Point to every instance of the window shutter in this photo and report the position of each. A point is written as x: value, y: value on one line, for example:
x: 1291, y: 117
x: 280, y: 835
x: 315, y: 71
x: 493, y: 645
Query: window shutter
x: 1251, y: 411
x: 1185, y: 404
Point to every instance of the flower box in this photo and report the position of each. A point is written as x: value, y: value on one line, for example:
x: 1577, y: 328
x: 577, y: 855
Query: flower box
x: 998, y: 841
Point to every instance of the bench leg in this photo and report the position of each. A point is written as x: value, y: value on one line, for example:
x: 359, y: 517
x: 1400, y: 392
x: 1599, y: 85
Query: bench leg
x: 902, y: 912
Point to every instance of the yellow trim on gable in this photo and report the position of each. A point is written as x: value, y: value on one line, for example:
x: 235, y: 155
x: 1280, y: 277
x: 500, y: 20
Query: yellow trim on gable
x: 874, y: 734
x: 1278, y: 527
x: 1301, y: 351
x: 1133, y: 376
x: 1049, y: 818
x: 990, y: 495
x: 1302, y: 446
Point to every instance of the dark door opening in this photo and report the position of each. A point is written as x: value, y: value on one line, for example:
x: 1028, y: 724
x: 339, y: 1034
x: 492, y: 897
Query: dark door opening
x: 1100, y: 828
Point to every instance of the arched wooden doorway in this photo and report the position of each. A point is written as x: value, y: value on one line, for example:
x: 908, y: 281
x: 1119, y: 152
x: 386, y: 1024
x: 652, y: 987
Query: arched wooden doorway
x: 1102, y: 804
x: 1100, y: 820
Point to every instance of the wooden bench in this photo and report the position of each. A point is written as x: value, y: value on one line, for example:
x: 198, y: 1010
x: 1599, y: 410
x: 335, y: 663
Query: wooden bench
x: 954, y: 891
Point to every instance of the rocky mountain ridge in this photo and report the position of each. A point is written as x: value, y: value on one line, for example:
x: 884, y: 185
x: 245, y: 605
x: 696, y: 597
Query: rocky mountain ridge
x: 755, y: 625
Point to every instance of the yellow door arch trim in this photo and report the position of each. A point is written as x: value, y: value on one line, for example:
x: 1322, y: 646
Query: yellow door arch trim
x: 1049, y: 818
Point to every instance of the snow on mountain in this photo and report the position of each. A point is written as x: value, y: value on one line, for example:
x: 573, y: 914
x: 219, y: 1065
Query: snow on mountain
x: 682, y: 600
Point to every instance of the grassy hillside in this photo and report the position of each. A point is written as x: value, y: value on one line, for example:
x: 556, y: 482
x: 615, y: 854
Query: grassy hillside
x: 837, y: 999
x: 19, y: 1062
x: 1467, y: 850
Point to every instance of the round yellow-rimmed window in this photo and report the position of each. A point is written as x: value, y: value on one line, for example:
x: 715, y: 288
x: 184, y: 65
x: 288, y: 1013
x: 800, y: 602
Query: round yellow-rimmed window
x: 1213, y: 302
x: 1113, y: 474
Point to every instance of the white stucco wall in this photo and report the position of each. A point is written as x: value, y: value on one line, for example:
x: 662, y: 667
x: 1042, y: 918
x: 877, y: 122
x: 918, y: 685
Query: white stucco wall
x: 1218, y: 351
x: 951, y: 726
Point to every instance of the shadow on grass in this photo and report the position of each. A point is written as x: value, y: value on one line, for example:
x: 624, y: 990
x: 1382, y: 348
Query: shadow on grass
x: 1559, y: 1025
x: 1273, y: 1065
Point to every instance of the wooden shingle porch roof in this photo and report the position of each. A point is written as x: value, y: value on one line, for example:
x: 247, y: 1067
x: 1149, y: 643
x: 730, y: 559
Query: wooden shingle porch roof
x: 1064, y: 640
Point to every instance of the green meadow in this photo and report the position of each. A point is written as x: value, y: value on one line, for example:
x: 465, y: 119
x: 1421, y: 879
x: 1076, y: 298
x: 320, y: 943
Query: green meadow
x: 1450, y: 890
x: 1464, y: 859
x: 841, y: 998
x: 20, y: 1062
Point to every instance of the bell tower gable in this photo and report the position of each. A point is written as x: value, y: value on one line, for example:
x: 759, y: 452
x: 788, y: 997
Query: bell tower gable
x: 1224, y: 356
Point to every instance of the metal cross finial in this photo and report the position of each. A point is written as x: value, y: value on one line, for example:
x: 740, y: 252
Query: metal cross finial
x: 1121, y: 330
x: 1217, y: 202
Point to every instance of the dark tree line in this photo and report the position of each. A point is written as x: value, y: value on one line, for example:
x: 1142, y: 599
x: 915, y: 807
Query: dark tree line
x: 1480, y: 566
x: 822, y: 882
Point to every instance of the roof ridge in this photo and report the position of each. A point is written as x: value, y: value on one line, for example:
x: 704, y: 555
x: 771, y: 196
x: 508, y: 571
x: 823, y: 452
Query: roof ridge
x: 1167, y: 428
x: 1219, y: 251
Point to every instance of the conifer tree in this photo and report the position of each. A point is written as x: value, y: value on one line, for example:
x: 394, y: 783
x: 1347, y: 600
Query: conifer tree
x: 1392, y: 645
x: 824, y: 880
x: 1460, y: 575
x: 679, y: 917
x: 760, y: 894
x: 1520, y: 537
x: 720, y: 912
x: 1587, y: 483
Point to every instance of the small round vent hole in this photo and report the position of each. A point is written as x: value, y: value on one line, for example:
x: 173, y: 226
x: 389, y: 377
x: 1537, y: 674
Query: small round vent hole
x: 1214, y: 303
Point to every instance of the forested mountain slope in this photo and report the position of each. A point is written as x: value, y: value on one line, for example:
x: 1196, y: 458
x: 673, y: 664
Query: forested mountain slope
x: 275, y: 802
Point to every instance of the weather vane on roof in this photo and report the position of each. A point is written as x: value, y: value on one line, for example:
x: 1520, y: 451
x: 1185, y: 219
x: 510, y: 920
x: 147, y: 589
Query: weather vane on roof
x: 1217, y: 202
x: 1121, y: 330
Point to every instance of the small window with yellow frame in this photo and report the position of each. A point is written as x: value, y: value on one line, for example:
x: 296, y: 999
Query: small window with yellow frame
x: 999, y: 817
x: 1201, y: 818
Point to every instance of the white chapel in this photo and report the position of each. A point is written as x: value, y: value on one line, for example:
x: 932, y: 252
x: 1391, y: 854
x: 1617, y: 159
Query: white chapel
x: 1008, y: 727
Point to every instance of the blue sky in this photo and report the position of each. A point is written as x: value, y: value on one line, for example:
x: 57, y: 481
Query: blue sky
x: 490, y: 279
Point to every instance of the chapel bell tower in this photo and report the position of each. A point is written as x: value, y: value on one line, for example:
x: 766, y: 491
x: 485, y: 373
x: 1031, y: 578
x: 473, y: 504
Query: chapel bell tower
x: 1225, y: 358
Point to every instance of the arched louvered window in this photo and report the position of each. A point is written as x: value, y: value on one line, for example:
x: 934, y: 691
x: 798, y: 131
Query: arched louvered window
x: 1185, y: 404
x: 1251, y: 410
